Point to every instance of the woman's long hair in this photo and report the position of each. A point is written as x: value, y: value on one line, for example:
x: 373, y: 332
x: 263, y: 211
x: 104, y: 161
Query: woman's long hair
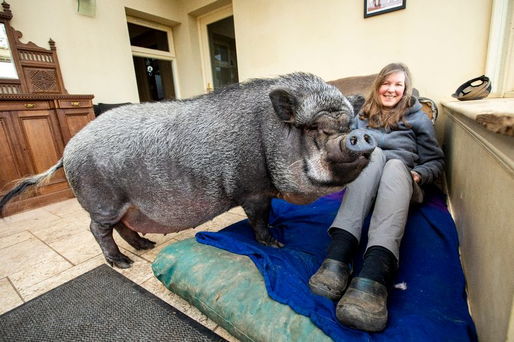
x: 380, y: 116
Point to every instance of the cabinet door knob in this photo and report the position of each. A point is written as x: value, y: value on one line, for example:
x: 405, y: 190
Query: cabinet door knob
x: 29, y: 105
x: 75, y: 103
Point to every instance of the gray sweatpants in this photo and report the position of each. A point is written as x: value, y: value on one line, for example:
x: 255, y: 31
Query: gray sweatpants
x: 389, y: 184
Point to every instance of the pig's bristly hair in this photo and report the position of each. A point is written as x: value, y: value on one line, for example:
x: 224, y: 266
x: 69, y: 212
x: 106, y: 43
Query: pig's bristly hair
x: 37, y: 180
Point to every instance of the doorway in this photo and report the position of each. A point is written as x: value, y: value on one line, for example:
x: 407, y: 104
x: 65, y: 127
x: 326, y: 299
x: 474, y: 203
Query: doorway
x: 154, y: 60
x: 154, y: 79
x: 218, y: 48
x: 222, y: 50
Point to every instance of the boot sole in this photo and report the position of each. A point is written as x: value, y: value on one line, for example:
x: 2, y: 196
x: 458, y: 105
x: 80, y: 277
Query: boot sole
x: 322, y: 291
x: 353, y: 317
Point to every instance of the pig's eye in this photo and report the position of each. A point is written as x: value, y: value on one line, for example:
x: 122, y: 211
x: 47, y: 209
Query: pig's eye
x: 323, y: 129
x: 311, y: 128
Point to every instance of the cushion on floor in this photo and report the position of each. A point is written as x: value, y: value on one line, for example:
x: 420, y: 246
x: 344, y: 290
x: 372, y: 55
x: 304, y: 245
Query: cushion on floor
x: 245, y: 297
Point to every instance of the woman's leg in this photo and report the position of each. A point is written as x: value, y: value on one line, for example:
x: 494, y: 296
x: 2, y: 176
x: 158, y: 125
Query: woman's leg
x: 391, y: 207
x: 359, y: 196
x: 332, y: 277
x: 364, y: 305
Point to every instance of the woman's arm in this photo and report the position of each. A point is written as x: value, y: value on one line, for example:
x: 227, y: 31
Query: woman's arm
x: 431, y: 157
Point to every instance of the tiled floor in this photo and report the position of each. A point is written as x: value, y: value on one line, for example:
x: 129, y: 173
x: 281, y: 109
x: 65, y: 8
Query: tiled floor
x: 46, y: 247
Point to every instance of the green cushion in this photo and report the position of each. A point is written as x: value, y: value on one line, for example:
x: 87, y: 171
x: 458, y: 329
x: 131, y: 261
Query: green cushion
x: 229, y: 290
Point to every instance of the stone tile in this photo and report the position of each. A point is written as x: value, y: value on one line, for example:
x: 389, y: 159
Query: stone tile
x: 21, y: 222
x: 224, y: 220
x: 228, y: 218
x: 62, y: 229
x: 7, y: 229
x: 150, y: 255
x: 14, y: 239
x: 35, y: 266
x: 64, y: 208
x: 157, y: 288
x: 43, y: 270
x: 38, y: 214
x: 225, y: 334
x: 61, y: 278
x: 159, y: 239
x: 78, y: 247
x: 186, y: 234
x: 140, y: 271
x: 218, y: 223
x: 27, y: 256
x: 238, y: 211
x: 9, y: 298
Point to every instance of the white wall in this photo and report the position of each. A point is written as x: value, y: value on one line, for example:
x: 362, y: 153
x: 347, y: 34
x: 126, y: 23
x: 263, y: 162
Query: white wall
x: 94, y: 53
x: 443, y: 42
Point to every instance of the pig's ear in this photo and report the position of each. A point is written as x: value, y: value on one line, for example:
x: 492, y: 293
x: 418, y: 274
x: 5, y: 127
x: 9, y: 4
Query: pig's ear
x: 284, y: 103
x: 357, y: 101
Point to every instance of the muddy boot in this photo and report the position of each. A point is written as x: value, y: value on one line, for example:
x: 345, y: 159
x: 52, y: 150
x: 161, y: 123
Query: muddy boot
x: 364, y: 305
x: 331, y: 279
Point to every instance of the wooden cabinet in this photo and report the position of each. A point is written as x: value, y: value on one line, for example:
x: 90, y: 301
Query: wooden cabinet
x: 33, y: 133
x: 37, y: 117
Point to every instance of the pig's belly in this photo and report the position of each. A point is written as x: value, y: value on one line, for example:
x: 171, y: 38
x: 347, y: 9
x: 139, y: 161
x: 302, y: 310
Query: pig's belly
x: 137, y: 221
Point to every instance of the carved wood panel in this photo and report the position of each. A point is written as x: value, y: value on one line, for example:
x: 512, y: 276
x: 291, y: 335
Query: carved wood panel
x: 41, y: 80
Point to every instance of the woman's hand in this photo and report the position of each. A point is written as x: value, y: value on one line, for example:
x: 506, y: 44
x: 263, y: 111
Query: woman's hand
x: 415, y: 176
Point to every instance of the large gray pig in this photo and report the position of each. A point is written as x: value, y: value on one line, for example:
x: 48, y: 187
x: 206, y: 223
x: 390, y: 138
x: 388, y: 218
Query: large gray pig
x: 164, y: 167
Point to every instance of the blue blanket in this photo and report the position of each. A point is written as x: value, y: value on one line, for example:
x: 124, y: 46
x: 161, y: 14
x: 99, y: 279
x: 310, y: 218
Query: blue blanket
x: 430, y: 307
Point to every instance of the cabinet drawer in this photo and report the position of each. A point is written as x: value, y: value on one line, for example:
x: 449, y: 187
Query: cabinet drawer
x: 24, y: 105
x: 75, y: 103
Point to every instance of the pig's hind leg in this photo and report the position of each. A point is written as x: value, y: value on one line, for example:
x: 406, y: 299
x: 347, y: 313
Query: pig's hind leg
x: 103, y: 235
x: 133, y: 237
x: 257, y: 209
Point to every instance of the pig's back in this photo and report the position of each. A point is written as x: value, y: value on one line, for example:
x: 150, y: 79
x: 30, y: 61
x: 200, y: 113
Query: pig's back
x: 205, y: 139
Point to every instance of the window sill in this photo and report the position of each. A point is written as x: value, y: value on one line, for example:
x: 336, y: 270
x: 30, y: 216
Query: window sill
x: 466, y: 113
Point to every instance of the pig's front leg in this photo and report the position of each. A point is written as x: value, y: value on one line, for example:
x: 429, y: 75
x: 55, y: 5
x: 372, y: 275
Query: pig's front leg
x: 257, y: 209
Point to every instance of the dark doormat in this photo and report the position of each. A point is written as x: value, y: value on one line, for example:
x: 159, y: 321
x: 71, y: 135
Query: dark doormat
x: 100, y: 305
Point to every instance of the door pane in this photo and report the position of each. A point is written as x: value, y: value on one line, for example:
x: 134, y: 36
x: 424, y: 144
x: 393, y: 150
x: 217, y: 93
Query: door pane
x: 154, y: 79
x: 147, y: 37
x: 222, y: 46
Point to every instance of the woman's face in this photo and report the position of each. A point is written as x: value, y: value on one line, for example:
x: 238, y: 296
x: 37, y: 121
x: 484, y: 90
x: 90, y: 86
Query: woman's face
x: 391, y: 90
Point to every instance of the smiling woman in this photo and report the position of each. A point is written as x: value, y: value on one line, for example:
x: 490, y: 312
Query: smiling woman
x: 406, y: 157
x: 391, y: 90
x: 387, y: 103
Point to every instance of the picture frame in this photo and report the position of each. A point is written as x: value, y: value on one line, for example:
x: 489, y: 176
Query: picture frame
x: 376, y: 7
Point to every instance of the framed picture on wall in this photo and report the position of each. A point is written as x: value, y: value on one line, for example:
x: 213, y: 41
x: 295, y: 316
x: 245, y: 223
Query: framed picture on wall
x: 376, y: 7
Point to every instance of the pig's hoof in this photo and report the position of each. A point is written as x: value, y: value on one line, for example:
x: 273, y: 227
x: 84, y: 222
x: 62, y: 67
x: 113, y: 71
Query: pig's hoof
x: 271, y: 242
x: 277, y: 244
x: 143, y: 243
x: 120, y: 261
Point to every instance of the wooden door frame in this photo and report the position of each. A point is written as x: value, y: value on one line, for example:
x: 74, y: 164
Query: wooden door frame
x: 203, y: 21
x: 157, y: 54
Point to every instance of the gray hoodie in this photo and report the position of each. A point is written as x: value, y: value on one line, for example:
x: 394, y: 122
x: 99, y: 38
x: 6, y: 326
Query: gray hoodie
x: 414, y: 144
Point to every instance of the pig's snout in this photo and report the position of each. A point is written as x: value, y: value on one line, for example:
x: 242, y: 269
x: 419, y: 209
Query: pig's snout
x: 359, y: 141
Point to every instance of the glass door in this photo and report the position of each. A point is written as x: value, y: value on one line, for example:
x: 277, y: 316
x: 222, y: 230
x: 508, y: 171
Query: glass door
x: 218, y: 48
x: 222, y: 47
x: 154, y: 60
